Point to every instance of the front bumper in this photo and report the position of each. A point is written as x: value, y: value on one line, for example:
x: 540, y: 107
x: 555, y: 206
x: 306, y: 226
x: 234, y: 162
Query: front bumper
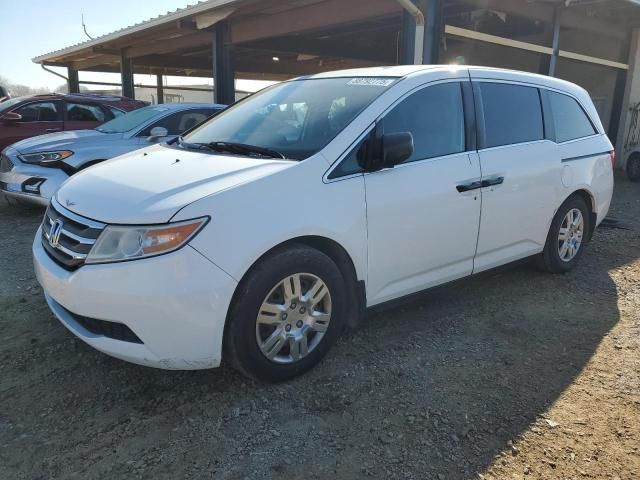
x: 176, y: 304
x: 30, y: 183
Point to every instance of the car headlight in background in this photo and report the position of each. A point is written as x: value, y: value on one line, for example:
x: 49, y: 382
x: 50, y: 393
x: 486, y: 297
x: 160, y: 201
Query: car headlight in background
x: 45, y: 157
x: 118, y: 243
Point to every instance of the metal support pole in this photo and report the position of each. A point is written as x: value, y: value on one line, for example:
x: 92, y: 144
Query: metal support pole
x: 555, y: 44
x: 414, y: 34
x: 223, y: 70
x: 126, y: 73
x: 630, y: 95
x: 160, y: 88
x: 432, y: 10
x: 72, y: 80
x: 407, y: 40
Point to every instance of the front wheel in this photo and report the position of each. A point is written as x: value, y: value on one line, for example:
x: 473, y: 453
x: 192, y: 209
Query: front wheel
x: 566, y: 238
x: 286, y: 314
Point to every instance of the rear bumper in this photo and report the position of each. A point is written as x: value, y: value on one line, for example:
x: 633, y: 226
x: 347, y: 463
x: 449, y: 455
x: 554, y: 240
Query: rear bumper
x: 176, y: 304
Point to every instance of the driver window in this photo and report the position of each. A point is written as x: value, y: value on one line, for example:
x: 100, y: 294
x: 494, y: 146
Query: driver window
x: 180, y: 122
x: 435, y: 117
x: 39, y: 112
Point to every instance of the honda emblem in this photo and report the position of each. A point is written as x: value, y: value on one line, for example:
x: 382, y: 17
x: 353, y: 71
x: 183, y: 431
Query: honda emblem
x: 54, y: 233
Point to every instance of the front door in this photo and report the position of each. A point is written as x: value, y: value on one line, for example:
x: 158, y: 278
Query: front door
x: 422, y: 226
x: 38, y: 118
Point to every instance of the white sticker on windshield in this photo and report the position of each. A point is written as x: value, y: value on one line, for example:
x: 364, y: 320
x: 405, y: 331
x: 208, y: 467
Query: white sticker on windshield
x: 371, y: 82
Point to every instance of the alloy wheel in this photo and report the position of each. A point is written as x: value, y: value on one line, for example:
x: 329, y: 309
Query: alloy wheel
x: 293, y: 318
x: 570, y: 235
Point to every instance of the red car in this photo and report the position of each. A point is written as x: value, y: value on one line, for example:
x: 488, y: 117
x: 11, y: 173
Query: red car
x: 24, y: 117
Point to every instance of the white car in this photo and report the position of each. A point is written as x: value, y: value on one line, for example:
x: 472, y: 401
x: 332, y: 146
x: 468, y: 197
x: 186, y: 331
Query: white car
x: 263, y: 233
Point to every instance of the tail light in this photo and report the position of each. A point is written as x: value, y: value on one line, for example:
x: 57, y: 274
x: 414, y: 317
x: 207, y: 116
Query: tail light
x: 612, y: 154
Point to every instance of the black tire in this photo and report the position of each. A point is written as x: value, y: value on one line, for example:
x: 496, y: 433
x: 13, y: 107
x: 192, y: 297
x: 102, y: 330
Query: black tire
x: 241, y: 347
x: 633, y: 167
x: 549, y: 260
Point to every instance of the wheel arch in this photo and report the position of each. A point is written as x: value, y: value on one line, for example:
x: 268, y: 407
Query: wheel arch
x: 589, y: 199
x: 339, y: 255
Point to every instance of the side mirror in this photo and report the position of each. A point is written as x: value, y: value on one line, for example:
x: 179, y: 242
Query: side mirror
x: 10, y: 117
x: 157, y: 132
x: 396, y: 148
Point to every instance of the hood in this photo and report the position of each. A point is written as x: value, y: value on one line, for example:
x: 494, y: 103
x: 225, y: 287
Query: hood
x: 63, y: 140
x: 151, y: 185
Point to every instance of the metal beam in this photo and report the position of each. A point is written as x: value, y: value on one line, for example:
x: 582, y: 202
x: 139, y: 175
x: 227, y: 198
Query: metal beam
x: 223, y: 70
x: 126, y: 74
x: 191, y: 40
x: 95, y: 61
x: 72, y: 80
x: 317, y: 16
x: 569, y: 17
x: 380, y: 53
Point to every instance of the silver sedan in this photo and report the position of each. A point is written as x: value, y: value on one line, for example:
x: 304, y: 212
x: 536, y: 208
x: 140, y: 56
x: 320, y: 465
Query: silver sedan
x: 33, y: 169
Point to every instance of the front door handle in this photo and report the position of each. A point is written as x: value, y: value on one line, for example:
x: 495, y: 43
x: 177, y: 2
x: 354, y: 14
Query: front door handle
x: 466, y: 187
x: 51, y: 130
x: 490, y: 182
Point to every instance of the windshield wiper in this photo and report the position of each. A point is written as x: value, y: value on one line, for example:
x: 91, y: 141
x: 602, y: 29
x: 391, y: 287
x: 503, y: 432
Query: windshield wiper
x: 232, y: 147
x: 244, y: 149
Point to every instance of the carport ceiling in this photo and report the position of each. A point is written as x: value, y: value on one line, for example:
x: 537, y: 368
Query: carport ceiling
x: 272, y: 39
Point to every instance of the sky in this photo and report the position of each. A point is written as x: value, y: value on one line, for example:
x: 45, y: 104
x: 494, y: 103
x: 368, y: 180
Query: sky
x: 29, y: 28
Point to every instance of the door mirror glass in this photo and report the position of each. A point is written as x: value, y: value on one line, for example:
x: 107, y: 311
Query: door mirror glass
x: 396, y: 148
x: 157, y: 132
x: 11, y: 117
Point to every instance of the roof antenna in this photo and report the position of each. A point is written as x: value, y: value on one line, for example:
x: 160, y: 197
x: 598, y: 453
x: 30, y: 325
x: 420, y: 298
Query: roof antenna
x: 84, y: 27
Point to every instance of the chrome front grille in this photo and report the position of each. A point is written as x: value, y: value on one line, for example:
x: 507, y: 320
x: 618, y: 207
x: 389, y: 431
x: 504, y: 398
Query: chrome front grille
x: 5, y: 164
x: 68, y: 237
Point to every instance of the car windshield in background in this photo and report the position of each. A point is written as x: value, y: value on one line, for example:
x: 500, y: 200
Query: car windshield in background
x: 131, y: 120
x: 295, y: 119
x: 7, y: 104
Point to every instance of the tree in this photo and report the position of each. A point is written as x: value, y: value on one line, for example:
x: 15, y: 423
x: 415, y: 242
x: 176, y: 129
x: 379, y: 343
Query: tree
x: 17, y: 90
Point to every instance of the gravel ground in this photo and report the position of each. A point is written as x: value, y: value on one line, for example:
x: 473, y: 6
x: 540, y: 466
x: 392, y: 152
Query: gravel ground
x: 513, y: 374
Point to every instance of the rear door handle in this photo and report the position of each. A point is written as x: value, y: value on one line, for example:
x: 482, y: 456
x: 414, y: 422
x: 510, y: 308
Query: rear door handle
x: 466, y: 187
x: 490, y: 182
x: 50, y: 130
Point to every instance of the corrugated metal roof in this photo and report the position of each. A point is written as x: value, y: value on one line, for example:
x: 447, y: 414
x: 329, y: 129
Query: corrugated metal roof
x: 200, y: 7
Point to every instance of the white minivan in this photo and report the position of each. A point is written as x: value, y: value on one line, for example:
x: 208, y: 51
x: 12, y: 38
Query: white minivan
x: 259, y: 236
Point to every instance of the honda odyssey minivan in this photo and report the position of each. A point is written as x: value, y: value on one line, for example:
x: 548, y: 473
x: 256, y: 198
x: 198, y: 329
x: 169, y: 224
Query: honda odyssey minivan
x: 260, y: 235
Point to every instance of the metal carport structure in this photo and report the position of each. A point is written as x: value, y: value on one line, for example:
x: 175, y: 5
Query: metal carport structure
x: 591, y: 42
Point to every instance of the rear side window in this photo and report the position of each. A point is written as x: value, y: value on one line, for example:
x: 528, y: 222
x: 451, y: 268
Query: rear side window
x: 84, y: 112
x: 512, y: 114
x: 569, y: 118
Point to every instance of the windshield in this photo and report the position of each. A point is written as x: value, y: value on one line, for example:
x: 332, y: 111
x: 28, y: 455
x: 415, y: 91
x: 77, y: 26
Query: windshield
x: 7, y: 104
x: 131, y: 120
x: 296, y: 119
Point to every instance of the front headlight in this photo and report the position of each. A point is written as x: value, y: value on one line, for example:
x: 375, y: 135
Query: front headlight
x: 46, y: 157
x: 117, y: 243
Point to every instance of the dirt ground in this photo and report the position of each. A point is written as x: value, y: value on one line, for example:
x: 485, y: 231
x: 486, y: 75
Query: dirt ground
x: 514, y: 374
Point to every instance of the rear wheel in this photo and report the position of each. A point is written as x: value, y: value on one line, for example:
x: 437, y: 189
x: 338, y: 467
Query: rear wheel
x: 287, y: 313
x: 633, y: 168
x: 566, y: 237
